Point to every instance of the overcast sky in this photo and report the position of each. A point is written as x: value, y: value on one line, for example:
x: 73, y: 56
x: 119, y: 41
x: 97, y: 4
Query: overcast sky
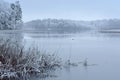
x: 70, y: 9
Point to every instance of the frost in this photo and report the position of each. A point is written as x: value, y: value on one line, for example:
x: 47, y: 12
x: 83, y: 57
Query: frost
x: 10, y: 15
x: 16, y: 62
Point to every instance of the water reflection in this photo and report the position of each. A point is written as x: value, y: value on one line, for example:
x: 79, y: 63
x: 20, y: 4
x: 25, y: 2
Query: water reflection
x: 13, y: 35
x: 99, y: 48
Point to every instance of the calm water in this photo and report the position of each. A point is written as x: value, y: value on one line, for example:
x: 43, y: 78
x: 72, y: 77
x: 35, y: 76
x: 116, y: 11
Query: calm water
x: 100, y: 49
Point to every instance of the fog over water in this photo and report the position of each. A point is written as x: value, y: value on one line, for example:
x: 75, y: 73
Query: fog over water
x: 101, y: 49
x: 60, y: 39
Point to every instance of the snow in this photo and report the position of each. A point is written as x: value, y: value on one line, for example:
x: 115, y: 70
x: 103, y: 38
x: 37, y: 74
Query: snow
x: 9, y: 18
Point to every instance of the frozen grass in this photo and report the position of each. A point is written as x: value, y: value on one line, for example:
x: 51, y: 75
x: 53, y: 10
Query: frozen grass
x: 16, y: 63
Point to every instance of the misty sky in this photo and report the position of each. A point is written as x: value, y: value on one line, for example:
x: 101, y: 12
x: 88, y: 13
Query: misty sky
x: 70, y: 9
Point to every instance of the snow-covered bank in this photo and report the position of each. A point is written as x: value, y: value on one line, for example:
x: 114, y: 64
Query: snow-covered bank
x: 110, y: 31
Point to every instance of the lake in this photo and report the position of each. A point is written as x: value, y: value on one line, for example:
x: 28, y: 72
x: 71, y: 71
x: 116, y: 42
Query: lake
x: 101, y: 49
